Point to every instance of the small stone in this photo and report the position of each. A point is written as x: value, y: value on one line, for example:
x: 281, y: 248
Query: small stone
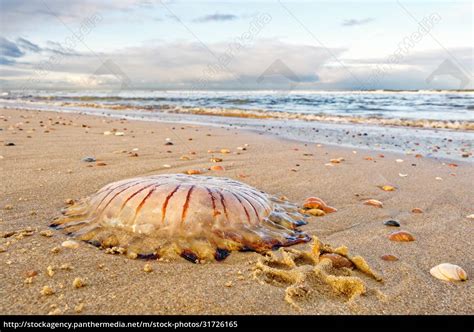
x: 392, y: 223
x: 88, y: 159
x: 119, y: 133
x: 55, y: 250
x: 9, y: 144
x: 46, y: 233
x: 228, y: 284
x: 148, y: 268
x: 417, y: 210
x: 79, y: 308
x: 167, y: 166
x: 387, y: 188
x: 215, y: 160
x: 78, y: 283
x: 31, y: 273
x: 193, y: 171
x: 101, y: 163
x: 55, y: 312
x: 46, y: 291
x: 71, y: 244
x: 8, y: 207
x: 471, y: 216
x: 225, y: 151
x: 50, y: 271
x: 169, y: 143
x: 217, y: 168
x: 106, y: 133
x: 66, y: 267
x: 69, y: 201
x: 402, y: 175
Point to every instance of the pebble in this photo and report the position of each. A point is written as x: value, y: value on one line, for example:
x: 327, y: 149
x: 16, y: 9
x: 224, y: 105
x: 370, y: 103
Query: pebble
x: 228, y: 284
x: 217, y: 168
x: 78, y: 283
x: 216, y: 160
x: 417, y: 210
x: 55, y: 250
x: 46, y: 233
x: 46, y: 291
x: 119, y: 133
x: 88, y: 159
x: 79, y: 308
x: 387, y: 188
x: 71, y: 244
x: 471, y: 216
x: 9, y: 144
x: 50, y: 271
x: 392, y: 222
x: 148, y: 268
x: 402, y: 175
x: 193, y: 171
x: 316, y: 212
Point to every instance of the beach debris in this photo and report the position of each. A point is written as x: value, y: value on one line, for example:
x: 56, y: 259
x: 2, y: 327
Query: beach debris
x: 374, y: 202
x: 70, y: 244
x: 216, y: 160
x: 392, y: 223
x: 300, y: 271
x: 337, y: 160
x: 69, y: 201
x: 449, y: 272
x: 401, y: 236
x: 50, y: 271
x: 196, y: 207
x: 148, y: 268
x: 389, y: 258
x: 79, y: 308
x: 402, y: 175
x: 387, y: 188
x: 46, y: 291
x: 337, y: 260
x: 78, y: 283
x: 88, y: 159
x: 217, y: 168
x: 317, y: 203
x: 416, y: 210
x: 193, y: 171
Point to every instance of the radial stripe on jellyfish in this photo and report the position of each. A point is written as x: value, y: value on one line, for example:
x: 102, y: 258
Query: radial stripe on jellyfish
x: 192, y: 216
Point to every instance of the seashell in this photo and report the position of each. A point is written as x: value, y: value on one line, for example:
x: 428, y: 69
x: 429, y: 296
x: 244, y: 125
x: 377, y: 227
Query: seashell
x: 401, y: 236
x: 316, y: 212
x: 392, y: 222
x: 402, y: 175
x: 374, y: 202
x: 71, y: 244
x: 448, y: 272
x: 196, y: 217
x: 417, y: 210
x: 193, y: 171
x: 387, y: 188
x: 318, y: 203
x: 338, y: 261
x: 217, y: 168
x: 389, y: 258
x: 184, y: 157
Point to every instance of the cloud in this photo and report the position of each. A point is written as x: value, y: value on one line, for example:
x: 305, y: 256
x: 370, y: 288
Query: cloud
x: 27, y: 45
x: 9, y: 49
x: 353, y: 21
x: 216, y: 18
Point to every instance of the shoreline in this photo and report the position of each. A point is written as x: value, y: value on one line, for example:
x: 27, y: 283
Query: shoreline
x: 44, y: 168
x: 441, y: 144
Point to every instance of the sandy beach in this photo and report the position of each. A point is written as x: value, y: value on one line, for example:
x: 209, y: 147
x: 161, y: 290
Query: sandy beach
x: 41, y: 168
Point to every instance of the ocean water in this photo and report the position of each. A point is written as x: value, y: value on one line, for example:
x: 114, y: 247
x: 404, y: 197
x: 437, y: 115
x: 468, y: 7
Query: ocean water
x: 434, y: 123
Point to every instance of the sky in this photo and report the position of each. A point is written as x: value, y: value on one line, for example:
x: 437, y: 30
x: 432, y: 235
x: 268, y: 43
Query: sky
x: 238, y: 45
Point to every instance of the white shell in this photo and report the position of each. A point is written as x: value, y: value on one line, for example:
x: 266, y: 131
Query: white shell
x: 448, y: 272
x: 71, y: 244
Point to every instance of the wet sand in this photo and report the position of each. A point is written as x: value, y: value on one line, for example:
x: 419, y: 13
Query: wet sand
x: 43, y: 169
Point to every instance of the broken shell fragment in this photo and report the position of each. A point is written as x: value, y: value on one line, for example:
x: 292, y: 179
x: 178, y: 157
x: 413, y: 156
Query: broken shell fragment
x: 374, y: 202
x: 338, y: 261
x: 193, y: 171
x: 448, y: 272
x: 317, y: 203
x: 417, y: 210
x: 315, y: 212
x: 401, y: 236
x: 389, y: 258
x: 217, y: 168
